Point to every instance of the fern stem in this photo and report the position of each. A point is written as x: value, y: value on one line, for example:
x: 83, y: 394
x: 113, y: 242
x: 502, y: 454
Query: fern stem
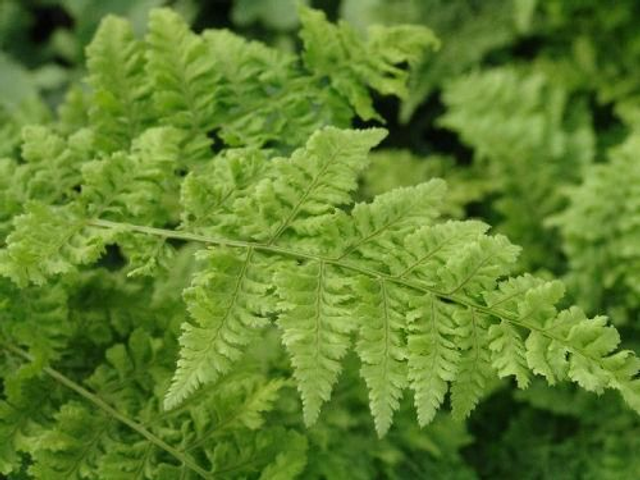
x: 447, y: 296
x: 101, y: 404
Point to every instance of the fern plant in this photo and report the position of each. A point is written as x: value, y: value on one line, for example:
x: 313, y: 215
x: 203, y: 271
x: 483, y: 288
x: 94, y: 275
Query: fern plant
x: 214, y: 148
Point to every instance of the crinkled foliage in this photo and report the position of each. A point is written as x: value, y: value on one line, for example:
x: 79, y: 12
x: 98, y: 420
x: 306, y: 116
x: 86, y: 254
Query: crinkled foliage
x: 128, y: 376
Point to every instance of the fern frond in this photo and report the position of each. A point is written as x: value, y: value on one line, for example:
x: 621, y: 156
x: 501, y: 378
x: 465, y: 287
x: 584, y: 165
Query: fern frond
x: 49, y: 241
x: 9, y: 422
x: 119, y: 431
x: 28, y: 111
x: 130, y: 459
x: 133, y: 184
x: 73, y: 111
x: 120, y: 104
x: 508, y: 354
x: 208, y: 196
x: 256, y: 403
x: 291, y: 462
x: 184, y: 78
x: 267, y: 97
x: 429, y: 249
x: 72, y: 448
x: 36, y: 318
x: 226, y: 300
x: 381, y: 223
x: 24, y: 413
x: 600, y: 232
x: 468, y: 32
x: 530, y: 139
x: 354, y: 65
x: 50, y: 170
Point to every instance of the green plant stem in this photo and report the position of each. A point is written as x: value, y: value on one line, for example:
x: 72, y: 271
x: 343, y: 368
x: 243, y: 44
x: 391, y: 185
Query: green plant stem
x: 101, y: 404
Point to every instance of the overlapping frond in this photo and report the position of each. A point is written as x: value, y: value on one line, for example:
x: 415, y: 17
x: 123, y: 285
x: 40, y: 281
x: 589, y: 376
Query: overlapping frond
x: 133, y: 184
x: 73, y: 449
x: 469, y: 31
x: 49, y: 172
x: 307, y: 188
x: 433, y: 356
x: 49, y: 241
x: 115, y: 427
x: 474, y: 365
x: 36, y: 319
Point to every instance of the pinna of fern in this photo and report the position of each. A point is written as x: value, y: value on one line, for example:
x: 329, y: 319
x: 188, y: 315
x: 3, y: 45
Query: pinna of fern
x: 426, y: 305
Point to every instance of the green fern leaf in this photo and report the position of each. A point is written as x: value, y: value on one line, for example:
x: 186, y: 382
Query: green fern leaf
x: 508, y: 354
x: 120, y: 105
x: 208, y: 196
x: 24, y: 416
x: 226, y: 302
x: 36, y: 318
x: 183, y: 77
x: 307, y: 187
x: 130, y: 184
x: 352, y: 65
x: 315, y: 329
x: 378, y: 225
x: 381, y: 348
x: 72, y: 448
x: 600, y: 232
x: 290, y: 463
x: 267, y: 97
x: 474, y: 365
x: 433, y: 356
x: 50, y: 241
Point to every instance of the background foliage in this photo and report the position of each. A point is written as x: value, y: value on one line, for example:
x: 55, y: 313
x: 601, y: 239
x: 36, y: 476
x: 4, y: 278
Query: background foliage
x: 531, y: 112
